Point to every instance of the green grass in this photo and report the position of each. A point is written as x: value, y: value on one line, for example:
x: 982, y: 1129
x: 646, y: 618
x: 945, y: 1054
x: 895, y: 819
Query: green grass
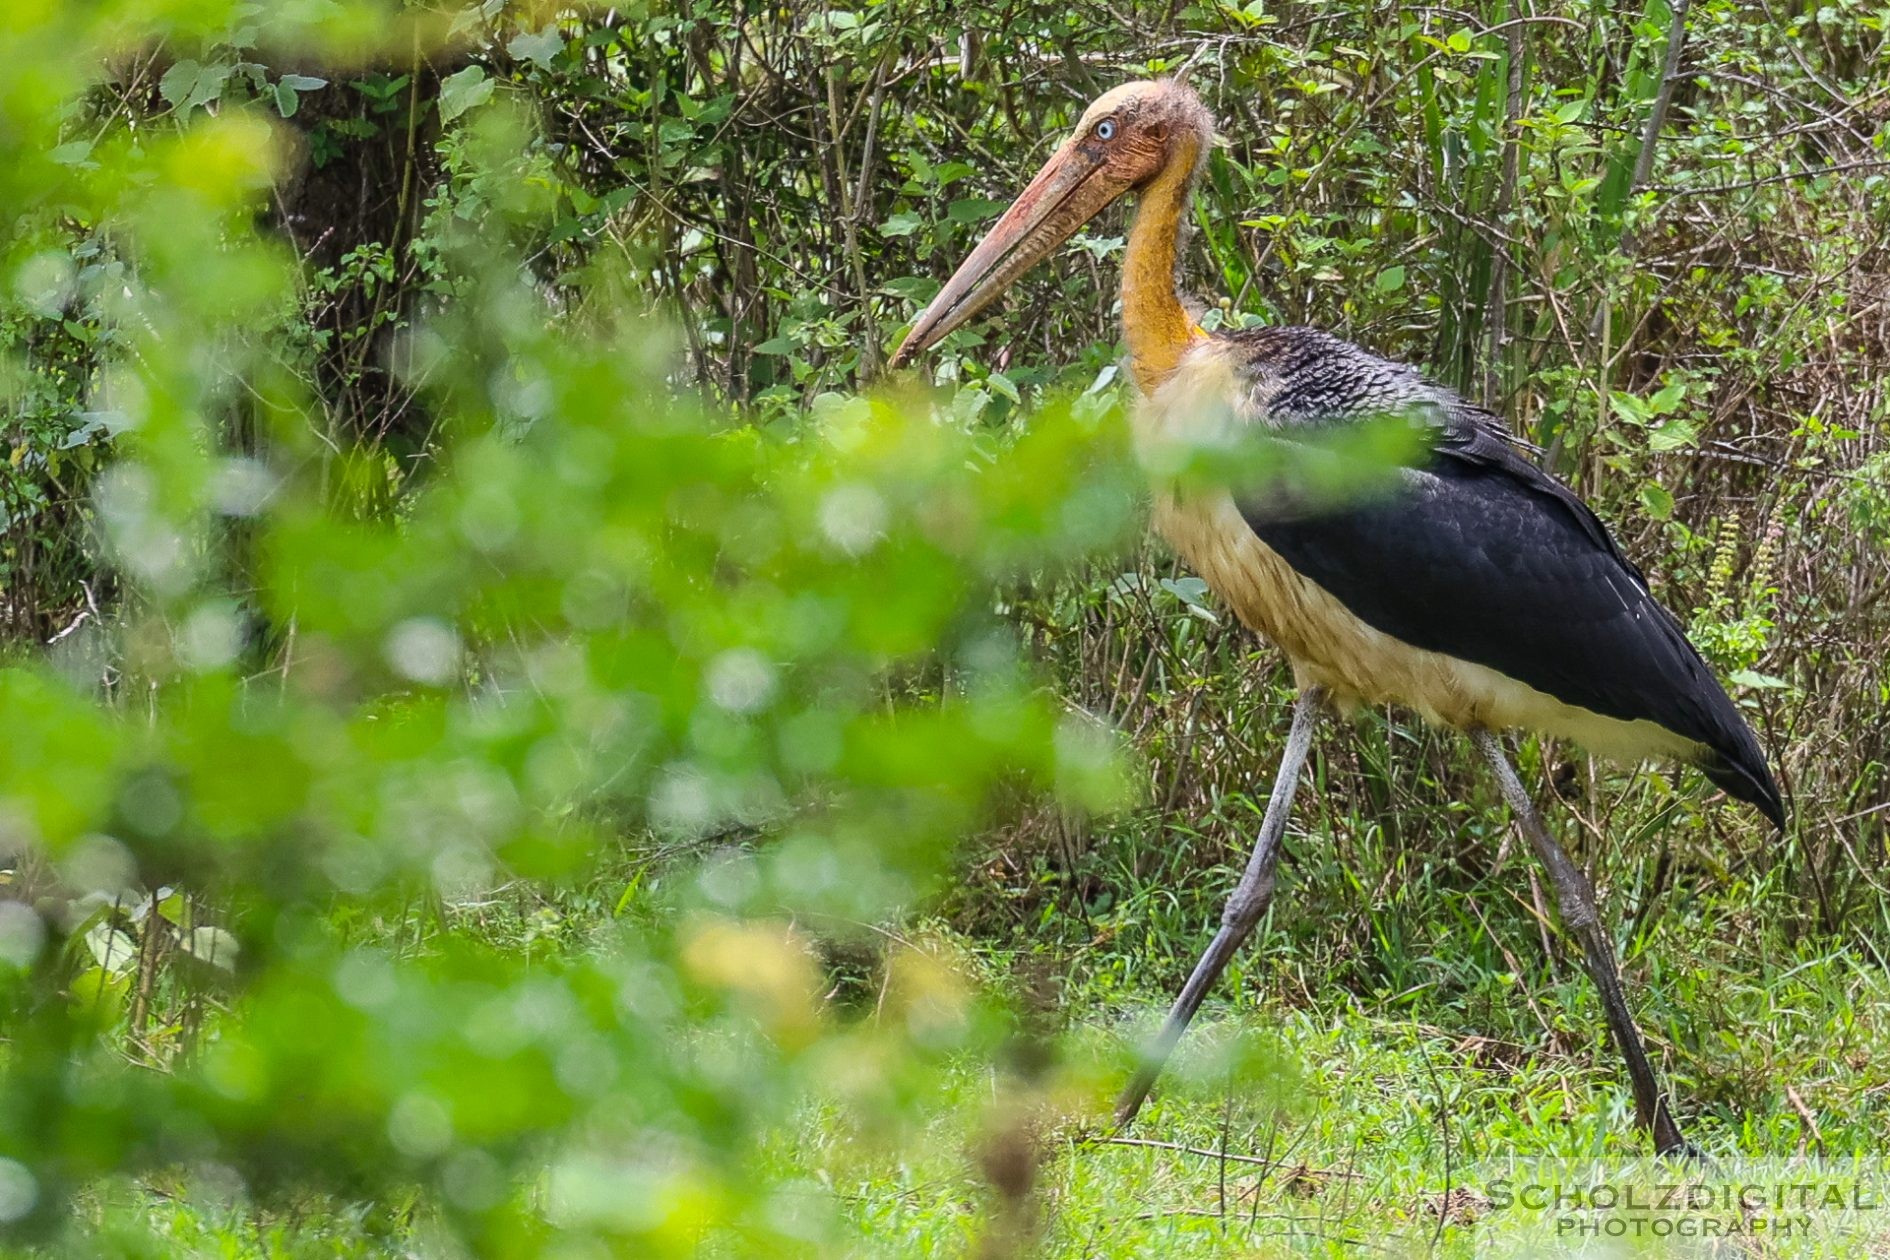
x: 1394, y: 1032
x: 1344, y: 1134
x: 1390, y: 1116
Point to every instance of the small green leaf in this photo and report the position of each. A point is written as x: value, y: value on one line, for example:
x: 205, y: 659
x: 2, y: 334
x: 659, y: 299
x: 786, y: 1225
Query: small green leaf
x: 972, y: 209
x: 1630, y: 407
x: 463, y: 91
x: 287, y: 102
x: 208, y: 87
x: 174, y: 908
x: 539, y: 48
x: 912, y: 288
x: 951, y: 172
x: 1667, y: 398
x: 1763, y: 682
x: 904, y: 223
x: 1002, y: 384
x: 113, y: 949
x: 1674, y: 435
x: 304, y: 82
x: 1391, y: 279
x: 100, y: 991
x: 179, y: 81
x: 1658, y: 500
x: 1193, y: 592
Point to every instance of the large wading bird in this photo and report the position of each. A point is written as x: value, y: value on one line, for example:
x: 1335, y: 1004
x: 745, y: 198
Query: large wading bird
x: 1478, y: 591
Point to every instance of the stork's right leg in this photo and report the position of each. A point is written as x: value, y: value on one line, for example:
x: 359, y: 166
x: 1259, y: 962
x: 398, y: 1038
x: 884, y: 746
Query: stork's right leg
x: 1250, y: 900
x: 1575, y: 899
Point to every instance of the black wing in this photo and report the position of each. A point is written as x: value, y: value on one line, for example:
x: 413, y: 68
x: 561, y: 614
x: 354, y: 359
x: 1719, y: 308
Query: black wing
x: 1479, y: 555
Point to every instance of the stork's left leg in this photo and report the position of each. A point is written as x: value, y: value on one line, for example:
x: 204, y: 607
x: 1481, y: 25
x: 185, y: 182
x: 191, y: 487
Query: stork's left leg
x: 1575, y: 898
x: 1242, y: 913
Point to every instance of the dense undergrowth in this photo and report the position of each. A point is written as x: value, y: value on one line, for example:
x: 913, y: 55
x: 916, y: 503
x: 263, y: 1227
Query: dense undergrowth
x: 518, y: 740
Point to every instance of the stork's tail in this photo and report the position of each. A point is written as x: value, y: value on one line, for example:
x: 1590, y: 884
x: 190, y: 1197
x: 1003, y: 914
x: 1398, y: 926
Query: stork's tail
x: 1742, y: 772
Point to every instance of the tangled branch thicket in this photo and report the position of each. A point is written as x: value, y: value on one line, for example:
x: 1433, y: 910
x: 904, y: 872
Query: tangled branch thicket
x: 1677, y: 284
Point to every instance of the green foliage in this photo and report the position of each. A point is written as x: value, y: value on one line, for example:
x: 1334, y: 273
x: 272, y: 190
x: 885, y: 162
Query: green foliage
x: 606, y: 612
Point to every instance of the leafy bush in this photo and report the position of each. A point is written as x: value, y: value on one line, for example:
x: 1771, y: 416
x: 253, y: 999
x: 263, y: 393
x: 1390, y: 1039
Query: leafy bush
x: 603, y: 612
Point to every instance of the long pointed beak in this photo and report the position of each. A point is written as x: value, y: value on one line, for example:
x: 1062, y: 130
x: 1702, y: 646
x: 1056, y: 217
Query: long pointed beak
x: 1073, y: 186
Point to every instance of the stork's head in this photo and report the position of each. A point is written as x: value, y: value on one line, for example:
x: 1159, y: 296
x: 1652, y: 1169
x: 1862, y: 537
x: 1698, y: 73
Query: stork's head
x: 1129, y: 137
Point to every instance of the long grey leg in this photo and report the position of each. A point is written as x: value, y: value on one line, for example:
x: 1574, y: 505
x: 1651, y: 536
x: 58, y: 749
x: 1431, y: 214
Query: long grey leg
x: 1575, y: 898
x: 1244, y: 908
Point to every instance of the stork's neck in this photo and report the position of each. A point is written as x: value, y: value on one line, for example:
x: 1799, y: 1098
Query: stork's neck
x: 1158, y: 330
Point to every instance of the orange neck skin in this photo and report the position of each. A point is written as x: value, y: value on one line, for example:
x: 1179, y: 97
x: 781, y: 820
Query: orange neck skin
x: 1158, y: 330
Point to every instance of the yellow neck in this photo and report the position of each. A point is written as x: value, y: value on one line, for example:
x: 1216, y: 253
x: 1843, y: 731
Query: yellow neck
x: 1157, y: 329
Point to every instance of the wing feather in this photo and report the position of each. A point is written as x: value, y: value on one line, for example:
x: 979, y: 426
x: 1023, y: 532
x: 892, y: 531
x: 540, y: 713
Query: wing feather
x: 1478, y: 554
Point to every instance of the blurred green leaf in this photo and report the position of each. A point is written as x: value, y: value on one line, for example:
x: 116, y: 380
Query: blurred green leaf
x: 541, y: 47
x: 903, y: 223
x: 972, y: 209
x: 463, y: 90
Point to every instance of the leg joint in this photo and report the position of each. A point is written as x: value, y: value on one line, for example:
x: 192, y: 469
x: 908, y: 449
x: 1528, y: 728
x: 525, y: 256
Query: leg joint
x: 1248, y: 903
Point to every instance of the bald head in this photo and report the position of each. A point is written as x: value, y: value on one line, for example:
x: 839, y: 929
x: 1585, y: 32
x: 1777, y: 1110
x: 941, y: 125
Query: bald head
x: 1127, y: 139
x: 1142, y: 128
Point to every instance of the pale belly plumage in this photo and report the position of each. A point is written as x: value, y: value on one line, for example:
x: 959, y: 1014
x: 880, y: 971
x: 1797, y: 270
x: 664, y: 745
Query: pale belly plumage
x: 1326, y: 644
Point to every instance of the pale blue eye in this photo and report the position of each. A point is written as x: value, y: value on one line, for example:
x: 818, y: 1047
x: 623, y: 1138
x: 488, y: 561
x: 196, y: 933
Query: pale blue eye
x: 1106, y: 129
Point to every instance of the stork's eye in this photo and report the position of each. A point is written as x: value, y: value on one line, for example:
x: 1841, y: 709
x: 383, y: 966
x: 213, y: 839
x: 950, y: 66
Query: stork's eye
x: 1106, y: 129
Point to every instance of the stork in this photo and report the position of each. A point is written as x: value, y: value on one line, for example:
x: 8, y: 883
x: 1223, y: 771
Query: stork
x: 1475, y: 589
